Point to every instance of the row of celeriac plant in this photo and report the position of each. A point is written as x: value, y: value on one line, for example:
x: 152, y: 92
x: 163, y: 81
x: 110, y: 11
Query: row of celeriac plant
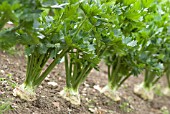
x: 153, y: 39
x: 54, y: 33
x: 122, y: 36
x: 143, y: 50
x: 84, y: 32
x: 138, y: 22
x: 121, y: 56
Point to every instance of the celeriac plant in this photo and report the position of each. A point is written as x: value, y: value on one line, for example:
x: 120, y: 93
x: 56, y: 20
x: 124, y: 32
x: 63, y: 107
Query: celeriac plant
x: 37, y: 28
x: 120, y: 57
x: 151, y: 54
x: 121, y: 66
x: 44, y: 29
x: 166, y: 64
x: 165, y: 42
x: 86, y: 47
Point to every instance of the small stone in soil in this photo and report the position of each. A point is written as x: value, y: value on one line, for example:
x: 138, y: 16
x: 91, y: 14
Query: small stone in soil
x: 53, y: 84
x: 56, y: 104
x: 43, y: 96
x: 1, y: 92
x: 2, y: 71
x: 93, y: 110
x: 47, y: 79
x: 69, y: 109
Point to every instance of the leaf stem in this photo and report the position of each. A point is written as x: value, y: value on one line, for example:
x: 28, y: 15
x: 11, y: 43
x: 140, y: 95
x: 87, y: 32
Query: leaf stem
x: 67, y: 72
x: 50, y: 67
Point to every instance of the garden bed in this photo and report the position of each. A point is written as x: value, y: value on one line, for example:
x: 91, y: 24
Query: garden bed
x: 12, y: 67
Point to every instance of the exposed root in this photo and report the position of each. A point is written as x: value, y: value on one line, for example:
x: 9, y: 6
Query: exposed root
x: 166, y: 91
x: 111, y: 93
x: 144, y: 93
x: 71, y: 96
x: 25, y: 93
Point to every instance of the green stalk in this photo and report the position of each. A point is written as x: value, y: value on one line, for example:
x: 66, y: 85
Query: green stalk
x: 86, y: 74
x: 146, y: 84
x: 79, y: 75
x: 114, y: 76
x: 156, y: 80
x: 109, y: 74
x: 35, y: 70
x: 109, y: 67
x: 71, y: 67
x: 45, y: 59
x: 67, y: 72
x: 75, y: 73
x: 123, y: 80
x: 119, y: 77
x: 50, y: 67
x: 167, y: 71
x: 150, y: 79
x: 76, y: 66
x: 83, y: 77
x: 77, y: 81
x: 168, y: 75
x: 29, y: 69
x: 42, y: 60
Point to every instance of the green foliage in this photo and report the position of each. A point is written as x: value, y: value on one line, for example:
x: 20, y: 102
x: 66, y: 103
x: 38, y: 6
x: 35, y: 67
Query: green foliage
x: 7, y: 13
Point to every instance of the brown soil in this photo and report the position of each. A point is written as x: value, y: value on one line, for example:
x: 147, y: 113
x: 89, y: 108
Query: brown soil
x: 49, y: 102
